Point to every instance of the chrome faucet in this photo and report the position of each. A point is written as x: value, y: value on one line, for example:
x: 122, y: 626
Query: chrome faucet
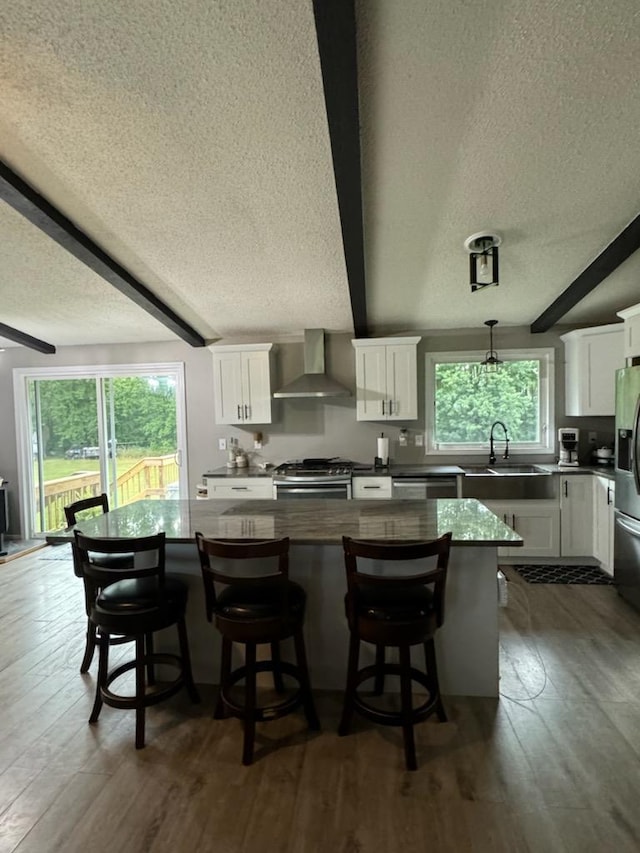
x: 492, y: 455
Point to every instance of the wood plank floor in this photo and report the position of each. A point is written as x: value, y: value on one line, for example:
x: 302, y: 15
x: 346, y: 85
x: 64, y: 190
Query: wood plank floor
x: 554, y: 765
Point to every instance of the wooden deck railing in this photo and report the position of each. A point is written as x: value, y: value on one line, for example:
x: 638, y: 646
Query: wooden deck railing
x: 147, y: 478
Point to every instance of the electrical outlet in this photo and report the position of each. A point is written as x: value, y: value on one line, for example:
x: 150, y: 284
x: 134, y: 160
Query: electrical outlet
x: 419, y: 439
x: 593, y: 437
x: 222, y: 444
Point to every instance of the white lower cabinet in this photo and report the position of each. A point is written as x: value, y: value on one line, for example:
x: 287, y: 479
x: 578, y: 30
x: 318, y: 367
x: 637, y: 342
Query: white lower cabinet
x: 371, y: 488
x: 245, y: 488
x: 538, y: 522
x: 576, y: 507
x: 603, y: 522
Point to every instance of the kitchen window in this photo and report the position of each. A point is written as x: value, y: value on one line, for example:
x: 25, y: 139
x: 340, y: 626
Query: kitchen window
x: 463, y: 401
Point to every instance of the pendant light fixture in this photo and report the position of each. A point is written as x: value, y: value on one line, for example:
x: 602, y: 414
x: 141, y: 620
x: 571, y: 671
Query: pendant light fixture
x: 483, y: 259
x: 491, y: 361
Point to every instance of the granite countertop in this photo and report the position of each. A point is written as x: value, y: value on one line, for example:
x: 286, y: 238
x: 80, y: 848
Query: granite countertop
x: 305, y: 522
x: 602, y: 470
x: 407, y: 471
x: 248, y: 471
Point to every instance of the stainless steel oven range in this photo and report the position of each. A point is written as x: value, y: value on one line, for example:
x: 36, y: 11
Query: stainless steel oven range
x: 313, y: 478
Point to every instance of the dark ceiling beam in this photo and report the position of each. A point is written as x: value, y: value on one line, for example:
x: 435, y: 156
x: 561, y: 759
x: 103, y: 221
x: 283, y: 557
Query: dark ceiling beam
x: 609, y: 259
x: 34, y: 207
x: 25, y: 340
x: 336, y: 34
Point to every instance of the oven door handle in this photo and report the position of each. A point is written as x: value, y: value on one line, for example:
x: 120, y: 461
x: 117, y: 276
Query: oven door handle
x: 307, y: 490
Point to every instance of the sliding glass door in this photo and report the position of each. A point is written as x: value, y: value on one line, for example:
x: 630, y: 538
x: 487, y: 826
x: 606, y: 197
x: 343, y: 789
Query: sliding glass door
x: 91, y: 430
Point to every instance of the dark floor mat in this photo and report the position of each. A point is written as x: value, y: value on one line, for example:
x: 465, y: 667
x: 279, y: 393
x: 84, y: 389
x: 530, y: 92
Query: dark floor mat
x: 563, y: 574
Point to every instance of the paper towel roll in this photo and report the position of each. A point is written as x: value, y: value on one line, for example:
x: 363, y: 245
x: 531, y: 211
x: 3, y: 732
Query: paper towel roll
x: 383, y: 450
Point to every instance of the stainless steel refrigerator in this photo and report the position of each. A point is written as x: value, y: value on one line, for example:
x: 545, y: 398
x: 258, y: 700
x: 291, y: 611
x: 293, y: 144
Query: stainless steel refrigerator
x: 626, y: 547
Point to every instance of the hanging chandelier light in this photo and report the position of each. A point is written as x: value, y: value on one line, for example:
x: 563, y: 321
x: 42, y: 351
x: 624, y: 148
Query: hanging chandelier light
x: 483, y: 259
x: 491, y: 361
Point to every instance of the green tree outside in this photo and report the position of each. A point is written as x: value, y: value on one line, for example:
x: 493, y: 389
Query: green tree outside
x: 468, y: 401
x: 144, y: 413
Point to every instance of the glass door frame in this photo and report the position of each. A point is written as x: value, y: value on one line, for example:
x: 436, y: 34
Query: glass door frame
x: 21, y: 378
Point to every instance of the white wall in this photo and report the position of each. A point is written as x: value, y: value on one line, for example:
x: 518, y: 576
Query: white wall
x: 301, y: 427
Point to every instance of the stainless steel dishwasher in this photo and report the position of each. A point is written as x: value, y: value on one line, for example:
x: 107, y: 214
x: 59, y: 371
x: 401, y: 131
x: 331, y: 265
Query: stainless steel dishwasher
x: 420, y: 487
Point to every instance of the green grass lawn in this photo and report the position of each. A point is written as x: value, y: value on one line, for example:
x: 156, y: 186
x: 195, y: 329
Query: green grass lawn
x: 55, y: 468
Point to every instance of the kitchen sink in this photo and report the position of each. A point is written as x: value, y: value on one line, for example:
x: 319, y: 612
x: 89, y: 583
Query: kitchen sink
x: 518, y: 470
x: 504, y: 471
x: 508, y: 483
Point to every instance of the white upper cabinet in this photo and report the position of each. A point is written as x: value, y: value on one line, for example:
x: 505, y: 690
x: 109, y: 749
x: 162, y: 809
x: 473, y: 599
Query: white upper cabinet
x: 631, y: 317
x: 592, y: 357
x: 242, y: 383
x: 386, y: 379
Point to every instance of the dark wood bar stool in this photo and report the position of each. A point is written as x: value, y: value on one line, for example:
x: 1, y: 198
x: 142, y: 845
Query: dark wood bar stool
x: 397, y: 611
x: 253, y: 610
x: 135, y: 601
x: 74, y: 513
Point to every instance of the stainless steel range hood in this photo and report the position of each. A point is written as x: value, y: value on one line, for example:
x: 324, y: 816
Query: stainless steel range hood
x: 314, y: 382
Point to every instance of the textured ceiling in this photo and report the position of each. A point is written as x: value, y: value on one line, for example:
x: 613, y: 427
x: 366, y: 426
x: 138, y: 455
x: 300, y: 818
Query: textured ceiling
x: 190, y: 141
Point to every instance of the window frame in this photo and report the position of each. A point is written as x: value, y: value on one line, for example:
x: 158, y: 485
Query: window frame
x: 544, y: 355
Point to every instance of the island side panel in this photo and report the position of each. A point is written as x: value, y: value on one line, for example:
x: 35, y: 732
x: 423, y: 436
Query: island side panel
x: 467, y: 644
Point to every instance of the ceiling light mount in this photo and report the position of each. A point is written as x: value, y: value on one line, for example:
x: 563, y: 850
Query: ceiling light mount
x: 483, y: 260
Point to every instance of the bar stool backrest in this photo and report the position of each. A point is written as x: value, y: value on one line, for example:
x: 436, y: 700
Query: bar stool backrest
x: 148, y: 558
x: 218, y: 555
x: 385, y: 550
x: 78, y: 510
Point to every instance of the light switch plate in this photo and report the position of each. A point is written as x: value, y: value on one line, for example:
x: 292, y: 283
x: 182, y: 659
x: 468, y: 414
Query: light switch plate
x: 222, y: 444
x: 419, y: 439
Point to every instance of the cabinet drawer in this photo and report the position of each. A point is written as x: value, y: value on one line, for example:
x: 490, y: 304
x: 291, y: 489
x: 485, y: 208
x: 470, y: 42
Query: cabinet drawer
x: 244, y: 488
x: 371, y: 487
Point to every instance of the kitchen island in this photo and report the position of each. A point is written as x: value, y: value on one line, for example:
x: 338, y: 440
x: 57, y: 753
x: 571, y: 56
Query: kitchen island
x: 467, y: 644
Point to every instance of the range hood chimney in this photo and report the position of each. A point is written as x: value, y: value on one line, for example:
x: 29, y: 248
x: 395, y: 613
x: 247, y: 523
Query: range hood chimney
x: 314, y: 382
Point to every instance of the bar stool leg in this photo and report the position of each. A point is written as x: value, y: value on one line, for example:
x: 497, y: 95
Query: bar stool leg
x: 432, y: 672
x: 407, y: 708
x: 140, y: 690
x: 378, y: 684
x: 350, y: 690
x: 249, y: 703
x: 305, y: 683
x: 89, y: 648
x: 185, y: 656
x: 151, y: 675
x: 103, y: 666
x: 220, y: 711
x: 278, y: 683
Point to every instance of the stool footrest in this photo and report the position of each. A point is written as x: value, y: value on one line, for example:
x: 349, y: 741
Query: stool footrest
x: 153, y: 693
x: 394, y: 718
x: 264, y: 712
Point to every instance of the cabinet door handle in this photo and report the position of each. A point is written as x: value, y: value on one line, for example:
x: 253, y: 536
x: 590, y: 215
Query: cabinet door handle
x: 608, y: 495
x: 239, y: 412
x: 246, y: 412
x: 371, y: 487
x: 239, y: 488
x: 383, y: 402
x: 566, y: 488
x: 390, y: 407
